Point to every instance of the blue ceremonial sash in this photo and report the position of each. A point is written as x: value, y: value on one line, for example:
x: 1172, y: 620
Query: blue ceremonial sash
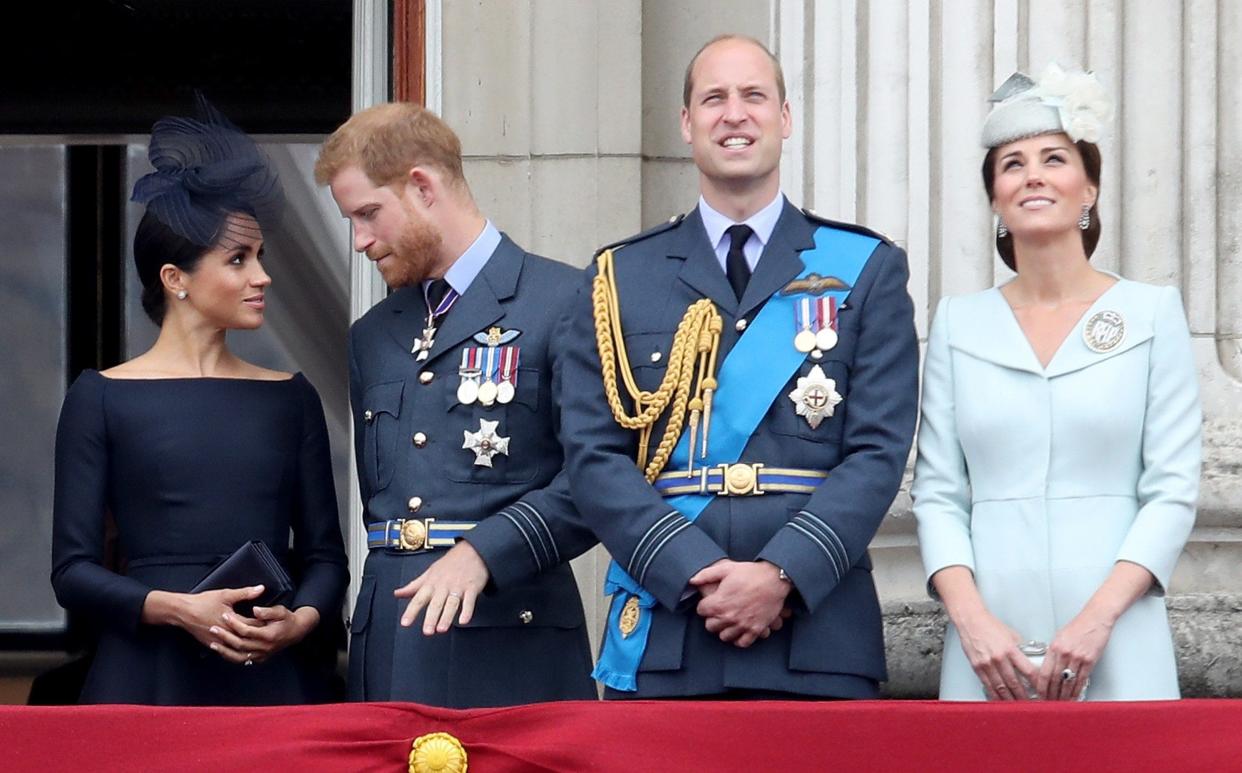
x: 751, y: 379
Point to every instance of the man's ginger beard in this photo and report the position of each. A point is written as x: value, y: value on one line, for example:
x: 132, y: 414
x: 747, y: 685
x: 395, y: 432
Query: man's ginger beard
x: 414, y: 254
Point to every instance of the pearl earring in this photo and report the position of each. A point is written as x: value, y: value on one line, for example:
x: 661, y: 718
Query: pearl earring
x: 182, y: 295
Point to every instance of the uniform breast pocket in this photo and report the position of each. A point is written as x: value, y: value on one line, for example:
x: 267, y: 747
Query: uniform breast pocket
x: 381, y: 414
x: 648, y: 355
x: 500, y: 443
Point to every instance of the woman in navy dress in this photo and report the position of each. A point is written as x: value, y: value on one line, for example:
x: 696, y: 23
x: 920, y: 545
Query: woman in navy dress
x: 195, y: 452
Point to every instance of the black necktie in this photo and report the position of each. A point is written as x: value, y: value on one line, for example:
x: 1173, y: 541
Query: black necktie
x: 736, y: 268
x: 436, y: 290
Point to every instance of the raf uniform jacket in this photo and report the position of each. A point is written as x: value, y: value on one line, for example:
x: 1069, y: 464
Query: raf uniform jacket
x: 528, y: 640
x: 833, y: 645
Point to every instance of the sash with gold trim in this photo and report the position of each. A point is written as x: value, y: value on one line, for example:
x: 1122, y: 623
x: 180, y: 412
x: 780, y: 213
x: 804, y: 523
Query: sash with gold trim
x: 751, y: 379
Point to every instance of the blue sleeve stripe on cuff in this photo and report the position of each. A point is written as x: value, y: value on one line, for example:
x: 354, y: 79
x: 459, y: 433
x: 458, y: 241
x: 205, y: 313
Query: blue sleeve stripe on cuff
x: 646, y: 539
x: 643, y: 559
x: 814, y: 538
x: 656, y: 550
x: 843, y: 558
x: 514, y: 518
x: 545, y: 532
x: 535, y: 530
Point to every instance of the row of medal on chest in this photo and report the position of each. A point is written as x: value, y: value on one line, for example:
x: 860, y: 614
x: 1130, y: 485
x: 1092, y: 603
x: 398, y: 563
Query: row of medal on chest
x: 488, y: 374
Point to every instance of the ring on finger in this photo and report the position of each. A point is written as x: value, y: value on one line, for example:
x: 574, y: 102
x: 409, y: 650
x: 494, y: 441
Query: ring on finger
x: 1069, y: 675
x: 454, y: 594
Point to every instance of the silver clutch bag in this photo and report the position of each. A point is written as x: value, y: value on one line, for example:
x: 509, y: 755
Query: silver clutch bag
x: 1035, y: 652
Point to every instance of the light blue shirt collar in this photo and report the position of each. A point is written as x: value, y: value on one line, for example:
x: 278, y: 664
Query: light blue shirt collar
x: 464, y: 270
x: 763, y: 223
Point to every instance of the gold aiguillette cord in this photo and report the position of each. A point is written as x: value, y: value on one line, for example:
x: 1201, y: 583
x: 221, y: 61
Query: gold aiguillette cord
x: 689, y: 381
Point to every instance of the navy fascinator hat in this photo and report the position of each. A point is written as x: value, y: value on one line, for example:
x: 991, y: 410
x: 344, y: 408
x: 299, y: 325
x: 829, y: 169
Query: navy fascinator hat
x: 205, y: 170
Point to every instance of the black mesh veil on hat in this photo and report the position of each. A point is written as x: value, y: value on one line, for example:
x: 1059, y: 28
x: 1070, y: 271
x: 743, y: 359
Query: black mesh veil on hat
x: 206, y: 169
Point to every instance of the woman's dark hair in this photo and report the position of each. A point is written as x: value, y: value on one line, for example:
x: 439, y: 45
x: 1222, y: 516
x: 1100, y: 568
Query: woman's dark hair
x: 1091, y: 162
x: 155, y: 245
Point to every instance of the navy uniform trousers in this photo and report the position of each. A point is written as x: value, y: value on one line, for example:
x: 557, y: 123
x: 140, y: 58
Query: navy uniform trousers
x: 528, y: 640
x: 833, y: 645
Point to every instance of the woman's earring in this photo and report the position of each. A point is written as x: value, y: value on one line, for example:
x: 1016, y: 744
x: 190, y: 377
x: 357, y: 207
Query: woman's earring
x: 1084, y: 220
x: 1001, y: 230
x: 182, y: 295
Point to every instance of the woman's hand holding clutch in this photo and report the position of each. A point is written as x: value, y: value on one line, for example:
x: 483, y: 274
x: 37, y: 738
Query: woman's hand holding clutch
x: 252, y: 640
x: 1072, y: 656
x: 991, y: 647
x: 200, y: 614
x: 1077, y: 647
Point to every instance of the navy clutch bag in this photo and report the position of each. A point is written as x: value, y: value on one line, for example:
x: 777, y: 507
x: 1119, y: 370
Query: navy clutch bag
x: 251, y: 564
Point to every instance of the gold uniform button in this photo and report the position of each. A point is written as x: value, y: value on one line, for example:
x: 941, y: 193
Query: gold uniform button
x: 415, y: 504
x: 526, y: 616
x: 420, y: 440
x: 426, y: 377
x: 740, y: 325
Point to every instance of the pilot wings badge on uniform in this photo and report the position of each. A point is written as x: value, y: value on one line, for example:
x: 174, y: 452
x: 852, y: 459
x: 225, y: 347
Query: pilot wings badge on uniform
x: 814, y: 284
x: 495, y: 336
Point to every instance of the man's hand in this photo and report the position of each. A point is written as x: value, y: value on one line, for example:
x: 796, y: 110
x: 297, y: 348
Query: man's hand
x: 453, y: 581
x: 742, y: 600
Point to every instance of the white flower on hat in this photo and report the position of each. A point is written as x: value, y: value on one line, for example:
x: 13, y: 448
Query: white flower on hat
x: 1078, y: 97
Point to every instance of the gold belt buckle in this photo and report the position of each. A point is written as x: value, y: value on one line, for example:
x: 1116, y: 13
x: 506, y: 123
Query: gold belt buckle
x: 413, y: 533
x: 739, y: 480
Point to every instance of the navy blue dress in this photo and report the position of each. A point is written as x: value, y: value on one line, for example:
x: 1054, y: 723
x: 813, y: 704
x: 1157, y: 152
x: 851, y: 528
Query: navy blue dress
x: 190, y: 470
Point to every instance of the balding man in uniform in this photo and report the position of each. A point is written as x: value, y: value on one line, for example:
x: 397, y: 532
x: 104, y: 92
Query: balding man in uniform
x: 741, y: 397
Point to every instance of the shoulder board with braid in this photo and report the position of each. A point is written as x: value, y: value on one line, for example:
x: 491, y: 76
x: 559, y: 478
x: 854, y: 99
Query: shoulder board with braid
x: 853, y: 227
x: 672, y: 222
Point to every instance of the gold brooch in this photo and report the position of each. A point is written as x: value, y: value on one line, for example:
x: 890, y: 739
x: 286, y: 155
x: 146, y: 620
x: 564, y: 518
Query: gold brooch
x: 437, y: 753
x: 629, y: 617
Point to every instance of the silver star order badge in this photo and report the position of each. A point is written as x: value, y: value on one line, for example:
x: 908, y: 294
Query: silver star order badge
x: 485, y: 443
x: 816, y: 396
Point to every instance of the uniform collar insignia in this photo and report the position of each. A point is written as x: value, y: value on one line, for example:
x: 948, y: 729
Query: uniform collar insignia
x: 814, y: 284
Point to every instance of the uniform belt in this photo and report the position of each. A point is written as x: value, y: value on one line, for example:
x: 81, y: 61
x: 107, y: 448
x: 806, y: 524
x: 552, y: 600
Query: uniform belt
x: 739, y: 480
x: 416, y: 534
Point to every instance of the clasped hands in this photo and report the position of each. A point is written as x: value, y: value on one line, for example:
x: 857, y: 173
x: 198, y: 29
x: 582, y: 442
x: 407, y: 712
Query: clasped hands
x: 209, y: 616
x: 992, y: 648
x: 742, y: 601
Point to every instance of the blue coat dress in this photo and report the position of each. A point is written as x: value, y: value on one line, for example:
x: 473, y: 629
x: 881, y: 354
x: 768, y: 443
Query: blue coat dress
x: 528, y: 639
x: 1040, y: 479
x: 833, y: 645
x: 191, y: 469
